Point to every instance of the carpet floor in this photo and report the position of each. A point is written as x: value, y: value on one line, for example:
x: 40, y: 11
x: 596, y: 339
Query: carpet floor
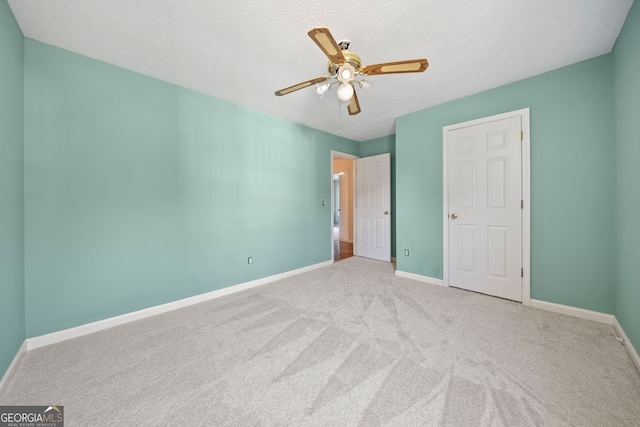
x: 346, y: 345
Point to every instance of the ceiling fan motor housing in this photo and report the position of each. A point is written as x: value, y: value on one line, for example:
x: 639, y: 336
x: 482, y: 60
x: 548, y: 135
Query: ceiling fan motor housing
x: 350, y: 58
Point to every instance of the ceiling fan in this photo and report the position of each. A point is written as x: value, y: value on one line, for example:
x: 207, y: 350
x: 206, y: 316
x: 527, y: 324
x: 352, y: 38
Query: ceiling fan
x: 344, y: 66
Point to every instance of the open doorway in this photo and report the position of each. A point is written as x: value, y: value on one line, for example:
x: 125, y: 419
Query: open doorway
x: 342, y: 205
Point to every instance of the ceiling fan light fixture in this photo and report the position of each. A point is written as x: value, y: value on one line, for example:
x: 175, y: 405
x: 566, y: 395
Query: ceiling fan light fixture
x: 365, y: 85
x: 346, y: 73
x: 345, y: 92
x: 322, y: 88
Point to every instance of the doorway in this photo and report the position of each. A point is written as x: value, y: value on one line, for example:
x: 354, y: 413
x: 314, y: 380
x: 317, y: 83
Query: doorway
x: 362, y: 225
x: 486, y: 205
x: 342, y: 207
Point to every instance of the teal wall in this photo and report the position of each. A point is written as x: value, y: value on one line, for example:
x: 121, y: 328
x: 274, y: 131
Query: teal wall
x: 626, y: 93
x: 571, y: 181
x: 385, y: 144
x: 138, y: 192
x: 12, y: 329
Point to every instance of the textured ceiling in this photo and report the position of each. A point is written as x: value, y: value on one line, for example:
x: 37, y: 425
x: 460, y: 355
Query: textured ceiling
x: 243, y: 51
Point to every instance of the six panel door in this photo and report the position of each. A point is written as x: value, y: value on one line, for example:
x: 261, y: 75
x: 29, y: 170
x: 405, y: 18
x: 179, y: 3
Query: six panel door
x: 485, y: 212
x: 373, y: 201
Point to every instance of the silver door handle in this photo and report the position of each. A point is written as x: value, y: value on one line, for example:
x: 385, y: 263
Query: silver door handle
x: 453, y: 216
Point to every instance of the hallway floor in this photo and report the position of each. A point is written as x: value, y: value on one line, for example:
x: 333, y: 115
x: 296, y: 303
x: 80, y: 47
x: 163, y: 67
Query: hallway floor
x: 341, y: 250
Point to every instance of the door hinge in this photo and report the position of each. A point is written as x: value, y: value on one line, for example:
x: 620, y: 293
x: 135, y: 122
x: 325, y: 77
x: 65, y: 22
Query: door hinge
x: 521, y: 135
x: 521, y: 204
x: 522, y: 272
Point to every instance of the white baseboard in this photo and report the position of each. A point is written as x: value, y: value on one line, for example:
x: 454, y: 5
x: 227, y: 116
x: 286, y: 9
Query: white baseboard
x: 595, y: 316
x: 420, y: 278
x: 632, y: 351
x: 89, y: 328
x: 580, y: 313
x: 6, y: 378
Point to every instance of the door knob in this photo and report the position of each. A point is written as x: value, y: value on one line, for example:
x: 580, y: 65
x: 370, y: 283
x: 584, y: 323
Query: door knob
x: 453, y: 216
x: 386, y: 212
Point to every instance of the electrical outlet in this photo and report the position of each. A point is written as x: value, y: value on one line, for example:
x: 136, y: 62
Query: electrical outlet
x: 250, y: 260
x: 406, y: 252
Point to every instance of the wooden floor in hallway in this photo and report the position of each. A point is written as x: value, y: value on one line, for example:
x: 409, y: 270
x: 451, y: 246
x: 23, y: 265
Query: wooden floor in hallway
x: 342, y: 250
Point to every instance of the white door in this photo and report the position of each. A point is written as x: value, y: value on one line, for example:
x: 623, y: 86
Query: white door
x: 373, y: 207
x: 485, y: 207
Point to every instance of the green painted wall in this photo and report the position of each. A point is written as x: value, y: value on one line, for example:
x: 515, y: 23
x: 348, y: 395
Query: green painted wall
x: 12, y: 328
x: 138, y: 192
x: 626, y: 93
x: 385, y: 144
x: 571, y: 181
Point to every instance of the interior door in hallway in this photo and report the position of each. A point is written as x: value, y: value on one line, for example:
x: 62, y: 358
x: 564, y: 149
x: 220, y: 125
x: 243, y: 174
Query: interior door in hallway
x: 373, y: 207
x: 485, y: 207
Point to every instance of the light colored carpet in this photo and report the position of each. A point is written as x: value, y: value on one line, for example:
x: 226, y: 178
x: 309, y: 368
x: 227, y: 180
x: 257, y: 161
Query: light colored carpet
x: 346, y: 345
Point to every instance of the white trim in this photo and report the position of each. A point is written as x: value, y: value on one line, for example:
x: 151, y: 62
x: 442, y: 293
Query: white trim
x: 342, y: 155
x: 445, y: 208
x: 632, y: 351
x: 595, y: 316
x: 526, y: 196
x: 567, y: 310
x: 89, y: 328
x: 11, y: 370
x: 526, y: 211
x: 419, y: 277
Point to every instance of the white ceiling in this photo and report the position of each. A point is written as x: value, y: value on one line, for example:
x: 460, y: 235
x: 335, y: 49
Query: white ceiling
x: 243, y: 51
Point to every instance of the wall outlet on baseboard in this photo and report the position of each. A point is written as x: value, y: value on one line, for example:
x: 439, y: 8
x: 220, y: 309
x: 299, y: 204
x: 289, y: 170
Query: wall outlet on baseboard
x: 250, y: 260
x: 406, y: 252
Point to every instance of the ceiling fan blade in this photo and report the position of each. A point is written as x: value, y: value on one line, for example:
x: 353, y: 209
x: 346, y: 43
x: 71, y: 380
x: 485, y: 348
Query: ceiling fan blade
x: 326, y: 42
x: 354, y: 105
x: 410, y: 66
x: 302, y: 85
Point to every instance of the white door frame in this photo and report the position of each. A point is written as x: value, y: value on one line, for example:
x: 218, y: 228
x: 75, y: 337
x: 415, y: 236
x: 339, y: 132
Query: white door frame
x: 353, y: 196
x: 526, y: 195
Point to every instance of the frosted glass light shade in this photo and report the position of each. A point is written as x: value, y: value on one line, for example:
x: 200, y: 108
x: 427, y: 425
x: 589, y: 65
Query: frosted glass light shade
x: 365, y: 85
x: 346, y: 73
x: 345, y: 92
x: 322, y: 88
